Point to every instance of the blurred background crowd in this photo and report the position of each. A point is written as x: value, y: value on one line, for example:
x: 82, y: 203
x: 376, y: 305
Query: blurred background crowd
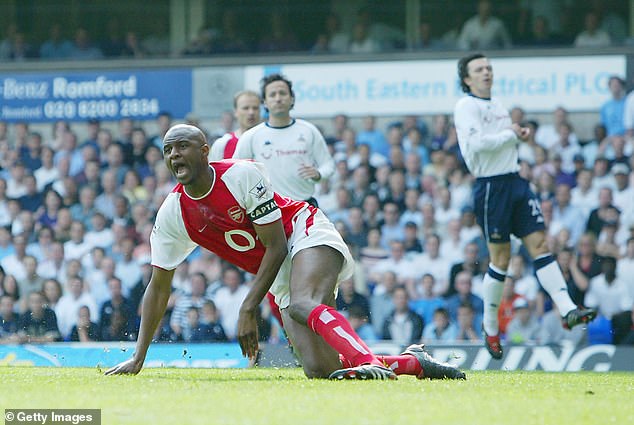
x: 65, y: 30
x: 77, y: 206
x: 78, y: 200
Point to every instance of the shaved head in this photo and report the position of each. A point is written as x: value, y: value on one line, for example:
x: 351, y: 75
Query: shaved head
x: 184, y: 132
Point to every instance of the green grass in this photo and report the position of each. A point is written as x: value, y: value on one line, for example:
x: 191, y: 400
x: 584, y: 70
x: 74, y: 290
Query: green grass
x: 284, y: 396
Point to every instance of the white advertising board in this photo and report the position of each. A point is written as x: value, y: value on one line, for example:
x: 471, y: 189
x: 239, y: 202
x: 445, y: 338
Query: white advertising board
x: 539, y: 84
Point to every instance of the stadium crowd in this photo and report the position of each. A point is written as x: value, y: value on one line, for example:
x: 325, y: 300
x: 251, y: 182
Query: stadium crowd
x: 487, y: 25
x: 76, y: 214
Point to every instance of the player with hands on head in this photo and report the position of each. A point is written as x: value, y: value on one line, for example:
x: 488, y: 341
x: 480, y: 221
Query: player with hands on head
x: 504, y: 202
x: 290, y: 247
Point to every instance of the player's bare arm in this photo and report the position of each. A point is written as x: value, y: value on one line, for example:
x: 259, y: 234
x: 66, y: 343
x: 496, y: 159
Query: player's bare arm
x: 273, y: 238
x: 154, y: 304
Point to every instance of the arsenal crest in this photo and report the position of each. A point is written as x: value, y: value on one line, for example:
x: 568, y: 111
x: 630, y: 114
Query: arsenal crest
x: 236, y: 213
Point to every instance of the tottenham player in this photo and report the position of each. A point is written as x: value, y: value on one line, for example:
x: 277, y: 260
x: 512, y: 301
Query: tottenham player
x: 292, y: 249
x: 293, y: 151
x: 504, y: 203
x: 246, y: 109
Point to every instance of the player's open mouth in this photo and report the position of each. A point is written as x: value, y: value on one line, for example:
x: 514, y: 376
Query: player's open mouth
x: 179, y: 170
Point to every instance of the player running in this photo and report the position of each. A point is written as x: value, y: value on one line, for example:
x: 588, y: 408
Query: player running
x: 292, y: 249
x: 504, y: 203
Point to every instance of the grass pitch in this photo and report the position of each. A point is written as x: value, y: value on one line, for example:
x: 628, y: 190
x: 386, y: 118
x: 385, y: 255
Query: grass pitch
x: 284, y: 396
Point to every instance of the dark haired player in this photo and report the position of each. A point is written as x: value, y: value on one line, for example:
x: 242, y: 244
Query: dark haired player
x: 293, y: 150
x: 504, y: 203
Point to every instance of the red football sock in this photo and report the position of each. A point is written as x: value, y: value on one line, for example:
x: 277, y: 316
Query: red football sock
x: 404, y: 364
x: 328, y: 323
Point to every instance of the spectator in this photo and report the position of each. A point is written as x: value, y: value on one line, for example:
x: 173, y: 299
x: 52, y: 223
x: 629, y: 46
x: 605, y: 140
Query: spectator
x: 398, y: 263
x: 625, y: 265
x: 331, y: 39
x: 441, y: 328
x: 583, y: 196
x: 32, y: 282
x: 116, y: 302
x: 52, y: 292
x: 592, y: 35
x: 605, y: 212
x: 347, y: 297
x: 39, y: 323
x: 55, y: 47
x: 524, y: 326
x: 359, y: 322
x: 464, y: 295
x: 423, y: 301
x: 54, y: 266
x: 471, y: 263
x: 229, y: 298
x: 85, y: 209
x: 431, y: 262
x: 484, y: 31
x: 361, y: 40
x: 85, y: 330
x: 612, y: 111
x: 9, y: 321
x: 82, y: 48
x: 576, y: 281
x: 381, y: 304
x: 623, y: 194
x: 15, y: 262
x: 67, y: 307
x: 403, y: 326
x: 465, y: 324
x: 608, y: 292
x: 391, y: 229
x: 213, y: 330
x: 127, y: 268
x: 587, y: 259
x: 548, y: 134
x: 77, y: 247
x: 118, y: 328
x: 566, y: 215
x: 373, y: 137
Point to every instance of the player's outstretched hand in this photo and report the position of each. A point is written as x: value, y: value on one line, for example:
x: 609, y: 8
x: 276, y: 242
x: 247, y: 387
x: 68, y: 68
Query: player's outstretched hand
x: 521, y: 132
x: 248, y: 334
x: 129, y: 367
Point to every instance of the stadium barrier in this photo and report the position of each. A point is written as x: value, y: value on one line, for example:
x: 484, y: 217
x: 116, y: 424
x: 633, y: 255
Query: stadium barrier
x: 598, y: 358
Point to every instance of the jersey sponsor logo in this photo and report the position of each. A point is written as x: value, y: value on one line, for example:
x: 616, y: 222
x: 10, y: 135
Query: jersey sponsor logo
x: 267, y: 151
x: 236, y: 239
x: 264, y: 209
x: 236, y: 213
x: 259, y: 190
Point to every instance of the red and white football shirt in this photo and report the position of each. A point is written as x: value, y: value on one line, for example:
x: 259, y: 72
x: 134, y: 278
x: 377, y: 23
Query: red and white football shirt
x: 223, y: 147
x: 221, y: 221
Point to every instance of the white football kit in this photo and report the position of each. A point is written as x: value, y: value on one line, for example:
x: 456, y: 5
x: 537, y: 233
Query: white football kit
x: 283, y: 150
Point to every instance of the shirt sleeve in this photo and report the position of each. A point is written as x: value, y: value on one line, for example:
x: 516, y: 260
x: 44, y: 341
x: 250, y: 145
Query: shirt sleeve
x: 169, y: 242
x: 249, y: 183
x: 469, y: 129
x: 217, y: 150
x: 325, y: 162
